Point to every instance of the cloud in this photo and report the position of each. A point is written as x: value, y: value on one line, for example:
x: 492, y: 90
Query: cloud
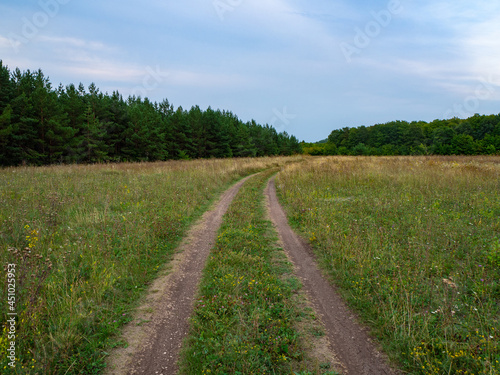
x: 276, y: 26
x: 468, y: 29
x: 206, y: 79
x: 73, y: 42
x: 456, y: 47
x: 482, y: 45
x: 5, y: 42
x: 104, y: 70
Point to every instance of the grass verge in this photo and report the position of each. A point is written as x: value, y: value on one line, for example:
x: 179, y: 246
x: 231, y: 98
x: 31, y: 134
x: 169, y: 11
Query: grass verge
x: 245, y: 318
x: 413, y: 243
x: 86, y: 241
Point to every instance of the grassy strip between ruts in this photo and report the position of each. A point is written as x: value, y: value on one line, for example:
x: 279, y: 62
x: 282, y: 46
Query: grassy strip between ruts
x: 86, y: 241
x: 413, y: 243
x: 245, y: 318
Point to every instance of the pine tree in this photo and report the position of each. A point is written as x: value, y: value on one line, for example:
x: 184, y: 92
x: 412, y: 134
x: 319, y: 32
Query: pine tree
x: 6, y: 88
x: 181, y: 136
x: 116, y: 125
x: 144, y: 139
x: 200, y: 135
x: 25, y: 126
x: 54, y: 132
x: 6, y: 130
x: 6, y: 126
x: 167, y: 114
x: 217, y: 137
x: 73, y: 104
x: 92, y: 146
x: 242, y: 142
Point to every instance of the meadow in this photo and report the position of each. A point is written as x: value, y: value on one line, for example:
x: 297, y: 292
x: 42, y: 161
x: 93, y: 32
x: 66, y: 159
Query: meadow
x: 86, y: 241
x: 413, y: 243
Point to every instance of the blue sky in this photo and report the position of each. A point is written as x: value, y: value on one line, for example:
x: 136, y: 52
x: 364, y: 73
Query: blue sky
x: 305, y: 67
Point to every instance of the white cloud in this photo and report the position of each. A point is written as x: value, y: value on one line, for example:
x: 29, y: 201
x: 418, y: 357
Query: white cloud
x: 481, y: 42
x: 104, y: 70
x: 471, y: 29
x: 279, y: 18
x: 136, y: 75
x: 458, y: 46
x: 73, y: 42
x: 5, y: 42
x: 204, y: 79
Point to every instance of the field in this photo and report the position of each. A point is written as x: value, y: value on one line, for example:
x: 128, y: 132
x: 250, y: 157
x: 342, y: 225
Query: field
x: 86, y: 241
x: 413, y: 243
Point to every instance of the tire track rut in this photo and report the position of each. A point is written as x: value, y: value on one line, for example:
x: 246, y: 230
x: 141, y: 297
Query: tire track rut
x: 153, y: 347
x: 350, y: 342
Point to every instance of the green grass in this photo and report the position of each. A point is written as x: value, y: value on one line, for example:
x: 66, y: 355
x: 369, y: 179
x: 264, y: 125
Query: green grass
x: 87, y: 240
x: 245, y: 315
x: 413, y: 243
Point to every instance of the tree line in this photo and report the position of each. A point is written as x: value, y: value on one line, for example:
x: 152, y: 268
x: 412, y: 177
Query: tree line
x: 477, y: 135
x: 41, y: 125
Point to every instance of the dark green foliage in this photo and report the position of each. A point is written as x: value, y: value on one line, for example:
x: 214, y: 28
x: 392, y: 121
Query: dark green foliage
x: 41, y: 125
x: 477, y: 135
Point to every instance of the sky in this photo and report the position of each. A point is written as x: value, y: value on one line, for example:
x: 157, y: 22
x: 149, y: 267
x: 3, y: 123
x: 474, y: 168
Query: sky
x: 306, y: 67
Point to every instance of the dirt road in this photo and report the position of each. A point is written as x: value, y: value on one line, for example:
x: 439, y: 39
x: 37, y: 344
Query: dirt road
x: 350, y: 342
x: 155, y: 336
